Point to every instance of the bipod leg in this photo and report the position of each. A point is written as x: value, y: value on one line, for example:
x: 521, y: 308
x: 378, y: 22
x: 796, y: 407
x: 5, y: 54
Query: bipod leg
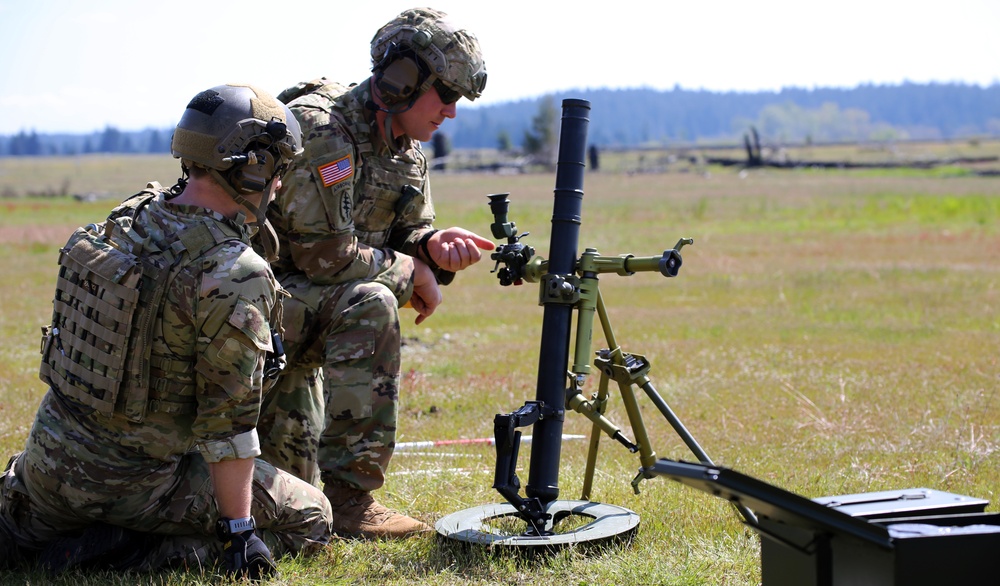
x: 625, y: 369
x: 688, y: 439
x: 600, y: 405
x: 593, y: 409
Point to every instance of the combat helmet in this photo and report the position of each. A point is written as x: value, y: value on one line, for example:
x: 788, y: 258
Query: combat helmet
x: 239, y: 133
x: 244, y: 138
x: 421, y: 48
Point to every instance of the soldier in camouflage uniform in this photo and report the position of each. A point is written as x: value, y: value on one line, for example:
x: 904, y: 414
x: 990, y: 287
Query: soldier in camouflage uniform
x: 354, y: 219
x: 142, y: 453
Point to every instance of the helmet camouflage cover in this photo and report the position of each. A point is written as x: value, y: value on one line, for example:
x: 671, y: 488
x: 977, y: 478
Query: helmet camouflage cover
x: 451, y: 54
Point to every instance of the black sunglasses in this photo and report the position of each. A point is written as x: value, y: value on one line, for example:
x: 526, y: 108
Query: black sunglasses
x: 447, y: 94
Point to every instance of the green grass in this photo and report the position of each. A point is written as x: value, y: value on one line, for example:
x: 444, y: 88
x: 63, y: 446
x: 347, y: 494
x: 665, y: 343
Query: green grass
x: 830, y: 332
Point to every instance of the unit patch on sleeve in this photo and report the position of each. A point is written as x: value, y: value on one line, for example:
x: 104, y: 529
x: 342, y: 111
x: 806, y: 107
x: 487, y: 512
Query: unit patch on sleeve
x: 336, y: 171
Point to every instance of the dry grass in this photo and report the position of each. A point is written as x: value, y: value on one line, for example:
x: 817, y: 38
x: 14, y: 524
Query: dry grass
x: 101, y: 176
x: 830, y: 333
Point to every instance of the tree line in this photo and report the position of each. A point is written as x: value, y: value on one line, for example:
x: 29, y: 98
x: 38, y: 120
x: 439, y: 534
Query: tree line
x: 109, y: 140
x: 646, y: 117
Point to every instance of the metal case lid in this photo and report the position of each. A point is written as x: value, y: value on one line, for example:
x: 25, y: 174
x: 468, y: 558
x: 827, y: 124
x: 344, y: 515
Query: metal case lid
x: 772, y: 503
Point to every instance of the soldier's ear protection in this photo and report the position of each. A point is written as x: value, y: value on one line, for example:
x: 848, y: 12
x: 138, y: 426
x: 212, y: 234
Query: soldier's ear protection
x: 399, y: 74
x: 261, y: 161
x: 254, y: 175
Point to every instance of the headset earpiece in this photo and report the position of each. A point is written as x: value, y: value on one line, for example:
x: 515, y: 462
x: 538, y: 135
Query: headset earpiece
x: 253, y: 175
x: 399, y: 75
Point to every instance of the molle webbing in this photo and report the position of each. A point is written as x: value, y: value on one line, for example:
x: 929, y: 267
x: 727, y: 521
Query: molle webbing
x: 111, y: 283
x: 84, y: 351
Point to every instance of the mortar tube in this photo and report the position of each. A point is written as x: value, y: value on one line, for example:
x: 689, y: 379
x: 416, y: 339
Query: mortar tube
x: 543, y: 476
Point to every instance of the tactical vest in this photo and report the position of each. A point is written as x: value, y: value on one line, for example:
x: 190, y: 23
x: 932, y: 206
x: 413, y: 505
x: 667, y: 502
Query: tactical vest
x: 110, y: 287
x: 391, y: 187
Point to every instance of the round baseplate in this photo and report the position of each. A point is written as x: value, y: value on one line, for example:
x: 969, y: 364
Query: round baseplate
x: 574, y: 522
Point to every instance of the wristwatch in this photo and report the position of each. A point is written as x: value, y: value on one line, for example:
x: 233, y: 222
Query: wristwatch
x: 226, y: 528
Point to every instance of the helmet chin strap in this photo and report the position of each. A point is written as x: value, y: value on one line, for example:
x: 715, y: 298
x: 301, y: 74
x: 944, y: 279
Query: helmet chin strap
x: 387, y: 136
x: 268, y: 237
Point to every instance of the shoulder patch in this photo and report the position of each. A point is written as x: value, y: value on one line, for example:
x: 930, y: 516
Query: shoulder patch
x: 250, y: 320
x: 346, y: 207
x: 334, y: 172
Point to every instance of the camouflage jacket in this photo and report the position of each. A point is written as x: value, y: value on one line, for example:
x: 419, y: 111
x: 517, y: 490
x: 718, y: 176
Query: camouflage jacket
x: 209, y: 338
x: 349, y: 202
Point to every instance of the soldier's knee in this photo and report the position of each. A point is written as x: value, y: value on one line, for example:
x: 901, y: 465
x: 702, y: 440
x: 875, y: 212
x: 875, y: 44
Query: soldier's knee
x: 383, y: 297
x: 371, y: 304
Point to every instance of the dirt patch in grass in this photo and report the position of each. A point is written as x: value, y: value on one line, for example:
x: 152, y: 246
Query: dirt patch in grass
x: 35, y: 234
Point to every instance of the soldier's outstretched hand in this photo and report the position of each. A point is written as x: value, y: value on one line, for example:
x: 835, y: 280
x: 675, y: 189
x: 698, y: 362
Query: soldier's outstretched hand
x: 454, y: 249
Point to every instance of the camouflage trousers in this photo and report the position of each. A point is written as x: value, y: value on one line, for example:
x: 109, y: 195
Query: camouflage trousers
x: 37, y: 508
x: 331, y: 416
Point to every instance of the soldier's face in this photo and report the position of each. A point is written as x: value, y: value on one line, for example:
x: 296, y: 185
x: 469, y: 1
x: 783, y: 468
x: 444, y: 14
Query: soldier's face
x: 424, y: 118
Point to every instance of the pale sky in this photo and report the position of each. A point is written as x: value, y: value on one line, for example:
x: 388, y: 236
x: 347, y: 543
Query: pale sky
x: 74, y: 66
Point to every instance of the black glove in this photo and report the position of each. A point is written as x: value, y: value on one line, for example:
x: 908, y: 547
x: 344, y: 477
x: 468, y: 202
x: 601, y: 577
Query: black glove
x: 244, y: 554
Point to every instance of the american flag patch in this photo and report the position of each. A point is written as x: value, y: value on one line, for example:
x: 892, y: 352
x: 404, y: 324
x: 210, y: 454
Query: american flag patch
x: 335, y: 172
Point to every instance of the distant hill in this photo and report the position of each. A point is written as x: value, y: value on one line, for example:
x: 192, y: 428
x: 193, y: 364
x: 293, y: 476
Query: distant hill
x: 646, y: 117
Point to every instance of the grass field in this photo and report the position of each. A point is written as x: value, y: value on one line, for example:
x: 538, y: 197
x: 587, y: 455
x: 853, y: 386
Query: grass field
x: 830, y: 332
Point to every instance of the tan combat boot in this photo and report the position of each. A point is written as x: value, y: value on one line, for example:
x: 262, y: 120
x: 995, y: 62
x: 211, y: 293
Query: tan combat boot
x: 357, y: 514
